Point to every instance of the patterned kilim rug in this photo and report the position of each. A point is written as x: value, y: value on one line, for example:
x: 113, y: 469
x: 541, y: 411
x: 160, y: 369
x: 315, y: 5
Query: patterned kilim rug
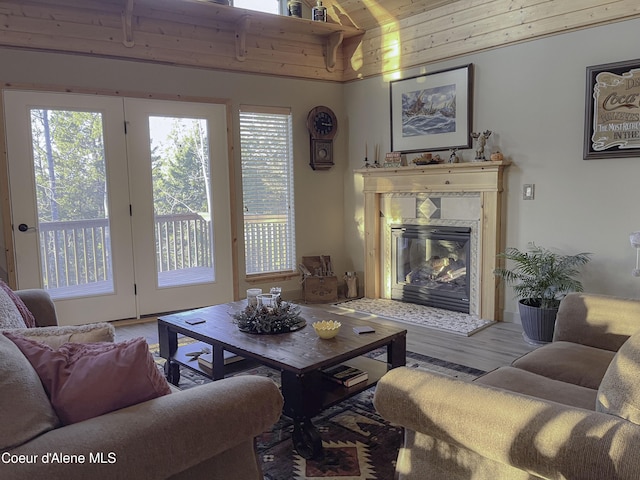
x: 455, y: 322
x: 358, y: 443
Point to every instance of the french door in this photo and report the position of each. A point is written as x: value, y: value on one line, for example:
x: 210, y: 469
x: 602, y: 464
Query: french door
x: 119, y: 206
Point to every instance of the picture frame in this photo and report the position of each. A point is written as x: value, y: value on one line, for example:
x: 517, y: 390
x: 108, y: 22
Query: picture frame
x: 612, y: 111
x: 432, y: 111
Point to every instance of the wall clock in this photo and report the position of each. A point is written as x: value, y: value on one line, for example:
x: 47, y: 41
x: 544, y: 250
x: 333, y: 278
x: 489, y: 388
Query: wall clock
x: 323, y: 126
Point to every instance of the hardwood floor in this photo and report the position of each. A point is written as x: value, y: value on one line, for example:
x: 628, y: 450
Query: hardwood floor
x: 487, y: 349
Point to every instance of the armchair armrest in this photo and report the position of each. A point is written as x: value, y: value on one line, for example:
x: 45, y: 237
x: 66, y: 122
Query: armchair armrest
x: 40, y: 305
x: 543, y: 438
x: 597, y: 320
x: 161, y: 437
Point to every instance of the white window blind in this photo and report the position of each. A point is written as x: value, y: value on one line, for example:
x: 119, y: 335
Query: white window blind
x: 266, y: 152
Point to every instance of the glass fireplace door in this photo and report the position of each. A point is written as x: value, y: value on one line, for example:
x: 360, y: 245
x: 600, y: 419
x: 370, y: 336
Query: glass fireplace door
x: 430, y: 266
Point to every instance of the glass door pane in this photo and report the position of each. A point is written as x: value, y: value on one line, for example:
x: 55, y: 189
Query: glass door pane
x: 72, y: 202
x: 179, y: 186
x: 181, y: 200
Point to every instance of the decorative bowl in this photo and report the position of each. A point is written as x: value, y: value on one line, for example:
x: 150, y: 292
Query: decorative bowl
x: 327, y: 328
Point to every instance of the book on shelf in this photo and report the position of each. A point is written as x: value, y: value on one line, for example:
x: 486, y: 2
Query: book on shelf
x: 346, y: 375
x: 206, y: 359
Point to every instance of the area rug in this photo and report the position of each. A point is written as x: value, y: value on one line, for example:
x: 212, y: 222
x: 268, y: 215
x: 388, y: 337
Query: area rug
x: 358, y: 443
x: 438, y: 318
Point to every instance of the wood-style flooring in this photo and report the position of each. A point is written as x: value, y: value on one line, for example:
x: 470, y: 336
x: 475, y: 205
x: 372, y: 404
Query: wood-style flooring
x: 495, y: 346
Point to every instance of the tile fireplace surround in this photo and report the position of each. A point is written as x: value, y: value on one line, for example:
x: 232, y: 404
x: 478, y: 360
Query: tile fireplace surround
x: 467, y: 194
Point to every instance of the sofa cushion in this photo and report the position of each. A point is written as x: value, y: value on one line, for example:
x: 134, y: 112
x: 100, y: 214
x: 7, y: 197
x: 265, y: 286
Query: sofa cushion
x: 88, y: 380
x: 25, y: 411
x: 619, y: 392
x: 527, y: 383
x: 27, y: 316
x: 57, y: 336
x: 568, y: 362
x: 10, y: 316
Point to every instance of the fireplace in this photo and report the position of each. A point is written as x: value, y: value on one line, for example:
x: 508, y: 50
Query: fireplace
x: 461, y: 195
x: 430, y: 265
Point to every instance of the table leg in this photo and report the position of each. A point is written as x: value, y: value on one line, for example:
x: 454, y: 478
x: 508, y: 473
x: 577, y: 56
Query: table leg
x: 301, y: 402
x: 397, y: 352
x: 306, y: 439
x: 168, y: 340
x: 218, y: 362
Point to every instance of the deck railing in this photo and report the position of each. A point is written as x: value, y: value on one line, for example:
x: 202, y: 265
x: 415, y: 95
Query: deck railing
x: 182, y: 241
x: 267, y: 243
x: 74, y: 252
x: 77, y: 252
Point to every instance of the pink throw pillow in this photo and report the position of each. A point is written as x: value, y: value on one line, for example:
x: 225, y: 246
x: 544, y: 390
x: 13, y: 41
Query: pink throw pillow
x: 87, y: 380
x: 26, y: 314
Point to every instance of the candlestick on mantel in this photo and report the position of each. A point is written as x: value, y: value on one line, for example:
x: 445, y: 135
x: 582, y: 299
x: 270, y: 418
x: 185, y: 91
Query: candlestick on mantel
x: 366, y: 156
x: 376, y: 163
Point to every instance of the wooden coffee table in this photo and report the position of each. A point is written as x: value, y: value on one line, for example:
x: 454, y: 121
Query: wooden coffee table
x: 299, y: 356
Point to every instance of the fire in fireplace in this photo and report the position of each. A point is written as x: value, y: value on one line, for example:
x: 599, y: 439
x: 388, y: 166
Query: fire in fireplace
x: 431, y: 266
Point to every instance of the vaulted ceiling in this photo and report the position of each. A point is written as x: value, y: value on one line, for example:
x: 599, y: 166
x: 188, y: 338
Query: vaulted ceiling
x: 362, y: 38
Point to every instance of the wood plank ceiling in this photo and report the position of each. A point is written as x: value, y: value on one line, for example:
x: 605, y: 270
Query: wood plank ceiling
x: 368, y: 15
x: 363, y: 38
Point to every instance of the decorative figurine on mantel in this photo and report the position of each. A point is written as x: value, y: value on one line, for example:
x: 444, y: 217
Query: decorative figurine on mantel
x: 453, y: 156
x: 482, y: 141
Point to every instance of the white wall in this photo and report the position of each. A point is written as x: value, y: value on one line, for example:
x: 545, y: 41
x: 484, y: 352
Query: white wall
x: 532, y: 96
x: 319, y: 194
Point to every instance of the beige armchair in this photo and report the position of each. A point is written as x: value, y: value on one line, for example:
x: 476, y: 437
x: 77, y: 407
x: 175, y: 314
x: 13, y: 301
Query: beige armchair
x: 205, y: 432
x: 40, y: 305
x: 47, y: 330
x: 549, y: 415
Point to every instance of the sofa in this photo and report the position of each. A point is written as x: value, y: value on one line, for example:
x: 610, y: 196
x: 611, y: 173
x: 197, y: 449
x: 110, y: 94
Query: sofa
x: 204, y: 432
x: 567, y: 410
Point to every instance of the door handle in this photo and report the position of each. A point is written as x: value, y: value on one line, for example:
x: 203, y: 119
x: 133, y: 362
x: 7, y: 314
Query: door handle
x: 23, y: 227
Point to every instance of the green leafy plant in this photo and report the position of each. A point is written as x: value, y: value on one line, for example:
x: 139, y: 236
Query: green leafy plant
x: 540, y: 277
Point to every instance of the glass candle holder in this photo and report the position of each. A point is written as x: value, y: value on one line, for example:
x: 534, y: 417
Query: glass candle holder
x: 252, y: 296
x: 267, y: 300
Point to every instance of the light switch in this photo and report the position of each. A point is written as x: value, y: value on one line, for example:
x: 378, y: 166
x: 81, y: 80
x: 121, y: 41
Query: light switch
x: 528, y: 191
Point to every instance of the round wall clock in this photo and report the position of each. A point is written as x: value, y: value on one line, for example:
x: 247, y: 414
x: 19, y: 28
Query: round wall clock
x: 322, y: 123
x: 323, y: 126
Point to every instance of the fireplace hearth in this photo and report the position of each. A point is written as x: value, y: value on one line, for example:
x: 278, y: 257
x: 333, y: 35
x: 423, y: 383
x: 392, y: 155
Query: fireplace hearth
x: 430, y: 266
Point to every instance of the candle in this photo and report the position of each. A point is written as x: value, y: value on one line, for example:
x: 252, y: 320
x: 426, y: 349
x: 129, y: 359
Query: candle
x: 365, y: 150
x: 252, y: 296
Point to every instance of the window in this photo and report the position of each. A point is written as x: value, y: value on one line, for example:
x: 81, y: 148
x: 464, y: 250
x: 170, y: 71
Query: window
x: 266, y: 6
x: 266, y: 152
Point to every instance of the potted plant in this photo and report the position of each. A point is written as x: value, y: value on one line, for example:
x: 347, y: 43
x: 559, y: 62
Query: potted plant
x: 540, y: 279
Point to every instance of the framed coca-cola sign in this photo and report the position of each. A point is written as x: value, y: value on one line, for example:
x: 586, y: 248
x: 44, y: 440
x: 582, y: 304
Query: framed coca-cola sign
x: 612, y: 120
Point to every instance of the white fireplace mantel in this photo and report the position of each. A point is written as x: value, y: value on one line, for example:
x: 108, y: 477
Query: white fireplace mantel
x: 484, y: 178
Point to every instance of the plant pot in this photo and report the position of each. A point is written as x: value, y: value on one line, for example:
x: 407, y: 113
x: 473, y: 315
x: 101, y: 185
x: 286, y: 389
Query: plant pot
x: 538, y: 323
